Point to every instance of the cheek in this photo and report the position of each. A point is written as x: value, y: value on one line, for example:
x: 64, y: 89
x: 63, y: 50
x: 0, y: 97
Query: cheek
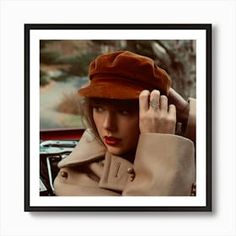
x: 97, y: 121
x: 131, y: 128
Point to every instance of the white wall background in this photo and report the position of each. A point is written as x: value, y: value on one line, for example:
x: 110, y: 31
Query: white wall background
x: 13, y: 219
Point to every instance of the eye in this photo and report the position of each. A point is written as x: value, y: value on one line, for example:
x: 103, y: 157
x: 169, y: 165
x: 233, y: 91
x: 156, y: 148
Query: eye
x: 98, y: 109
x: 124, y: 112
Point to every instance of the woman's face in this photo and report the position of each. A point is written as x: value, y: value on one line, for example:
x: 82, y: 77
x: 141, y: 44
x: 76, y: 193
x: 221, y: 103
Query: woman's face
x: 117, y: 123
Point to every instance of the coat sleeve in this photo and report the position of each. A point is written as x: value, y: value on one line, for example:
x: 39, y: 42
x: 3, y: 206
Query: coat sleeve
x: 164, y: 166
x: 190, y: 131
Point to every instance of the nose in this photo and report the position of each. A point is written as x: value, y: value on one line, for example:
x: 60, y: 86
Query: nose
x: 109, y: 122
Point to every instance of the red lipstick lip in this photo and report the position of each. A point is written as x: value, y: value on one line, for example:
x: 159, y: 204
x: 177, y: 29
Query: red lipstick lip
x: 112, y: 141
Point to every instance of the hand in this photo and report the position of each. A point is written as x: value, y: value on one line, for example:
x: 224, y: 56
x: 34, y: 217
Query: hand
x: 182, y: 106
x: 155, y: 115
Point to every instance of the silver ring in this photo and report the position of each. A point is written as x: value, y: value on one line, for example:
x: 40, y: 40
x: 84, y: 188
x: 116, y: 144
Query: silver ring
x: 154, y: 105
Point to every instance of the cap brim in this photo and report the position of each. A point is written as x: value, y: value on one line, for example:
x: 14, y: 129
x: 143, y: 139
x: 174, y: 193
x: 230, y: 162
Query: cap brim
x: 111, y: 90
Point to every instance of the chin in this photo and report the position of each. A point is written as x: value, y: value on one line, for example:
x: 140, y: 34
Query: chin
x: 115, y: 151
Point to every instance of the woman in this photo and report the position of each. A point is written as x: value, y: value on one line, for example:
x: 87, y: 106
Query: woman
x: 131, y: 147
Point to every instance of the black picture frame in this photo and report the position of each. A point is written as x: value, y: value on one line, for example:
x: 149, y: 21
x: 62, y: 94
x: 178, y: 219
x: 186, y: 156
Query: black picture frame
x: 28, y: 100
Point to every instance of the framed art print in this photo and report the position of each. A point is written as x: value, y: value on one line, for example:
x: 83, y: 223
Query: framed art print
x: 62, y: 59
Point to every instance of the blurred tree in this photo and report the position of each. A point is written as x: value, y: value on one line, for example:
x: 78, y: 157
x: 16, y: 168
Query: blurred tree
x: 177, y: 57
x: 67, y: 61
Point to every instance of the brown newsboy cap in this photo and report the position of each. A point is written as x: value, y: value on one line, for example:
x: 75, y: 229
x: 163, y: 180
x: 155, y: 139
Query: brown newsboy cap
x: 123, y: 75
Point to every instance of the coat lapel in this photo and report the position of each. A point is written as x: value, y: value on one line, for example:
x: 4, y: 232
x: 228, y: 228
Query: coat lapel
x: 88, y: 149
x: 115, y: 170
x: 115, y: 174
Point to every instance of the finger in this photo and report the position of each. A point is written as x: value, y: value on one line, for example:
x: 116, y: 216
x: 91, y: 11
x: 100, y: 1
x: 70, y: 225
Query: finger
x: 164, y: 103
x: 144, y: 100
x: 155, y: 100
x: 172, y: 110
x: 176, y: 99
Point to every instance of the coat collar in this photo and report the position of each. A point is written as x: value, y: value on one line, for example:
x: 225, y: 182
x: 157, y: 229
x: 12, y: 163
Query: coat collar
x: 114, y: 176
x: 88, y: 149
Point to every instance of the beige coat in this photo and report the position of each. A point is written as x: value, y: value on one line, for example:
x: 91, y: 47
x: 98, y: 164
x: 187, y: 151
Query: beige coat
x: 164, y: 165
